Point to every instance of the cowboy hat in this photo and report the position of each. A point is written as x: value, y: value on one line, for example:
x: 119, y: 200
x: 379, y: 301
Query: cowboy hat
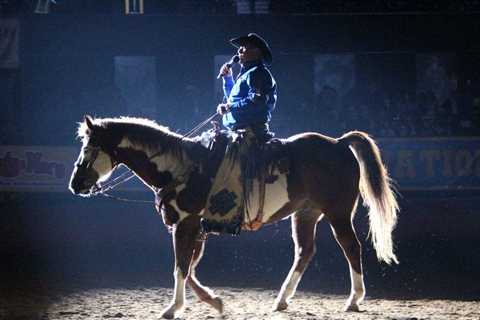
x: 257, y: 41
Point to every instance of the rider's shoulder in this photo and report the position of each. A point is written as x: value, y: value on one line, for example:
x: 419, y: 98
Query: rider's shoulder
x: 260, y: 72
x: 261, y: 68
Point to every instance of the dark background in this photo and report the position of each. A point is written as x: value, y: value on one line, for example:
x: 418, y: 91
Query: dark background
x: 55, y: 240
x: 67, y: 69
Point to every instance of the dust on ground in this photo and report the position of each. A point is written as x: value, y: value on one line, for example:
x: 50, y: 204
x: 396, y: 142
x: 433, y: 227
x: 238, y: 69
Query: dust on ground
x: 240, y: 304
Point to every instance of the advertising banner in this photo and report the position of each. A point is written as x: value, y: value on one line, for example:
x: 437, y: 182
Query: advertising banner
x: 415, y: 164
x: 433, y: 163
x: 24, y: 168
x: 43, y: 169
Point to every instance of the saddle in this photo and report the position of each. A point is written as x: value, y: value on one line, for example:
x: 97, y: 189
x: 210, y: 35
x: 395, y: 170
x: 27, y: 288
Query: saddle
x: 245, y: 160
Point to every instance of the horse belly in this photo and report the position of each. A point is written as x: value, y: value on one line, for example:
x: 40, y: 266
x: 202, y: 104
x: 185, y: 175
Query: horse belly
x: 276, y: 196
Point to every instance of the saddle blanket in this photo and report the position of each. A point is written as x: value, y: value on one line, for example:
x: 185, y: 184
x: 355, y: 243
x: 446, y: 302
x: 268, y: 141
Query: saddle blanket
x: 243, y: 179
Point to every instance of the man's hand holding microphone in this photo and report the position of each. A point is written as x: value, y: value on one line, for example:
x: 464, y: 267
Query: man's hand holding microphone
x: 223, y: 108
x: 226, y: 71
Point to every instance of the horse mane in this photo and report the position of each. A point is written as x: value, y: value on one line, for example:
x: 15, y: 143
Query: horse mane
x: 139, y: 131
x: 83, y: 130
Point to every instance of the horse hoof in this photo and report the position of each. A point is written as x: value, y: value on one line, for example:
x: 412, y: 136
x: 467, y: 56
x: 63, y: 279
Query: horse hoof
x: 217, y: 304
x: 168, y: 313
x: 352, y: 308
x: 280, y: 306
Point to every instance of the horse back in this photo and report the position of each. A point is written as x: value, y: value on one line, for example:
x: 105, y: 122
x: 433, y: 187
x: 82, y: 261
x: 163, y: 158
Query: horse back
x: 321, y: 166
x: 320, y: 150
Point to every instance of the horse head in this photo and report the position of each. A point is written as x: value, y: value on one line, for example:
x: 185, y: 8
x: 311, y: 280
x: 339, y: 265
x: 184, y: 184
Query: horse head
x: 96, y: 160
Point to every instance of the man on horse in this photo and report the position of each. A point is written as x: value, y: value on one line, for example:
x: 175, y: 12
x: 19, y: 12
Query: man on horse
x: 251, y: 99
x: 249, y: 102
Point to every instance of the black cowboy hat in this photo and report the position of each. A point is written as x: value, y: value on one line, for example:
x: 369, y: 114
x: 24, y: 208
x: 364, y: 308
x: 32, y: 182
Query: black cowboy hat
x: 257, y: 41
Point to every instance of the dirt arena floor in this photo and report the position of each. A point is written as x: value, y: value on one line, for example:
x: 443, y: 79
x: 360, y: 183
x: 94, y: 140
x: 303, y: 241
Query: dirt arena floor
x: 240, y: 304
x: 83, y: 263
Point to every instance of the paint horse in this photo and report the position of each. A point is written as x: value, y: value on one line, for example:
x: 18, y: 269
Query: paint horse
x: 325, y: 178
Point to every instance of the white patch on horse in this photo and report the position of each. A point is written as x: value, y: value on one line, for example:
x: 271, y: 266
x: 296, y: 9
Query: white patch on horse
x: 178, y: 302
x: 276, y: 196
x: 179, y: 294
x: 168, y: 162
x: 288, y: 289
x: 102, y: 165
x: 292, y: 285
x: 126, y: 143
x: 181, y: 214
x: 357, y: 292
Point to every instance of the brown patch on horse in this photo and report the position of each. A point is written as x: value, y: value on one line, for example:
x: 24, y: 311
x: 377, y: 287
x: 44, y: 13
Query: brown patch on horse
x: 286, y: 211
x: 144, y: 167
x: 169, y: 215
x: 192, y: 199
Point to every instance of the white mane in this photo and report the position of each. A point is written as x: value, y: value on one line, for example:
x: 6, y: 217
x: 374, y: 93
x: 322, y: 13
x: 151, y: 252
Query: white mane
x: 83, y: 131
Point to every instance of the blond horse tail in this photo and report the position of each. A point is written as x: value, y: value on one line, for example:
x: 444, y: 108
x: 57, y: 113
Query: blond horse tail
x: 377, y: 193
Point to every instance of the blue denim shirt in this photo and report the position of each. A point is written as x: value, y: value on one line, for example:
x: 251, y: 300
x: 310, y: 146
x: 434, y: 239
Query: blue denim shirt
x: 252, y: 97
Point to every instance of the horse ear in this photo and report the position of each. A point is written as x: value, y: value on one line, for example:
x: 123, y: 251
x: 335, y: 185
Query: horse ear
x: 88, y: 121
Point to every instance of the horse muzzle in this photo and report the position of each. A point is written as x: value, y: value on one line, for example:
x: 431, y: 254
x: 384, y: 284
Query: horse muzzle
x: 82, y: 186
x: 80, y: 190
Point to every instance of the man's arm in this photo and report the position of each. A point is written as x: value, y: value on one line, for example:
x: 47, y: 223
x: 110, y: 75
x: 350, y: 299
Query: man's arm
x: 227, y: 85
x: 227, y: 77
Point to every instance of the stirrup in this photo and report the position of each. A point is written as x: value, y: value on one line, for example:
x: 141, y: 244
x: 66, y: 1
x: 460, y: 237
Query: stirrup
x: 255, y: 224
x: 252, y: 226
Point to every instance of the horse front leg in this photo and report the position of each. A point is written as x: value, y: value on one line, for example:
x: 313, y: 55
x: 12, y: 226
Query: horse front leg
x: 303, y: 233
x: 202, y: 292
x: 184, y: 237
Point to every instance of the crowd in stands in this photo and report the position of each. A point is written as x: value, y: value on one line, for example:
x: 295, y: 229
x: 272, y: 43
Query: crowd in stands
x: 387, y: 115
x: 400, y: 115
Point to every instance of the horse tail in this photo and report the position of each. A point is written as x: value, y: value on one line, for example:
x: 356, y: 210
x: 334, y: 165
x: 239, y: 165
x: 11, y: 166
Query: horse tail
x: 377, y: 192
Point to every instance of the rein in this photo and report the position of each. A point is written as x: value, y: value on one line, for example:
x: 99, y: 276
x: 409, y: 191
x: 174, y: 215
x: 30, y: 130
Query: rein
x: 109, y: 185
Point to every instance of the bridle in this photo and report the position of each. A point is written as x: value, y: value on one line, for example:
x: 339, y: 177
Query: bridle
x: 87, y: 165
x: 103, y: 189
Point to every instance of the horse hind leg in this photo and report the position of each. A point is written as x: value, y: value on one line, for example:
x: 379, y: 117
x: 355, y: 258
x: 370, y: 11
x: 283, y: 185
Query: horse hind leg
x: 202, y: 292
x: 346, y: 237
x: 303, y: 233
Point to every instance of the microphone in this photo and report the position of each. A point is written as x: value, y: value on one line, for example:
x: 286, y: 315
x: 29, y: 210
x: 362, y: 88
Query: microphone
x: 230, y: 63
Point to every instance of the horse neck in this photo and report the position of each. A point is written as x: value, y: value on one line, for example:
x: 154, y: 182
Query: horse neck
x: 154, y: 166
